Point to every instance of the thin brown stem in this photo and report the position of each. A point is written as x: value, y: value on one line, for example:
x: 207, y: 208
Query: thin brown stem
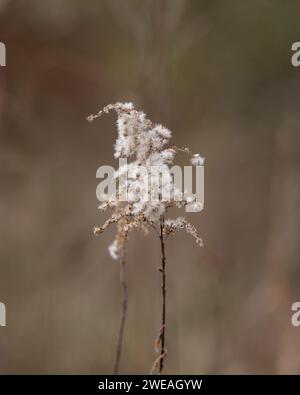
x: 163, y: 298
x: 123, y: 314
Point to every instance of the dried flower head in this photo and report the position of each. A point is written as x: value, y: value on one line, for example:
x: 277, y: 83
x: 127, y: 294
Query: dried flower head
x: 144, y: 143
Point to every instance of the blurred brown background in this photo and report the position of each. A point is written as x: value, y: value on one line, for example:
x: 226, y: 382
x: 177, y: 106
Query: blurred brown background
x: 219, y: 75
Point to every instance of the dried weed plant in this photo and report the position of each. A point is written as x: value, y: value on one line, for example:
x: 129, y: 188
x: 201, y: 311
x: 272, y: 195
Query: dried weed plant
x: 144, y: 144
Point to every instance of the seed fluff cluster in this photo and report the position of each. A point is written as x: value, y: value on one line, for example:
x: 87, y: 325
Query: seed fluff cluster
x: 144, y: 145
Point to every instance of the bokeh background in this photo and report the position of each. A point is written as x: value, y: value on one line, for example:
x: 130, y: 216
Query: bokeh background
x: 219, y: 75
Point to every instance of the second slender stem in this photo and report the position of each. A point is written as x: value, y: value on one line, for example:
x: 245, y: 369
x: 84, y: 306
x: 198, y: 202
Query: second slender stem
x: 123, y: 314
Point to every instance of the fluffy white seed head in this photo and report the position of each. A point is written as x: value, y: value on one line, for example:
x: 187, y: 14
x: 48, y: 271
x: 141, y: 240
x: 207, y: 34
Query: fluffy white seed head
x: 144, y: 144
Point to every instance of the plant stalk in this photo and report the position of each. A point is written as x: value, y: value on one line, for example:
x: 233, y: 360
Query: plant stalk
x: 124, y: 290
x: 163, y: 298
